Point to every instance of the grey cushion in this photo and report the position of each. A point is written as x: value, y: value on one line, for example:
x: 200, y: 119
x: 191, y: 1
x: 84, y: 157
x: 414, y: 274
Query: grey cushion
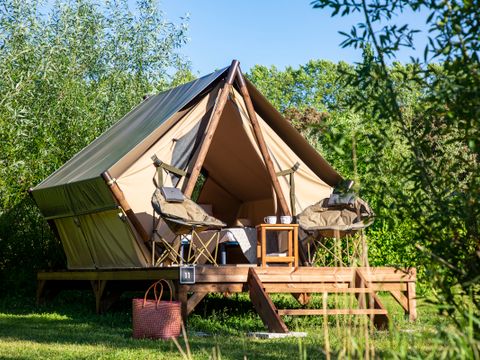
x: 172, y: 194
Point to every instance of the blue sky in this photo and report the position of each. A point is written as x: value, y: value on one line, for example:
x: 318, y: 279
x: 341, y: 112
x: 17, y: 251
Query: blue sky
x: 267, y: 32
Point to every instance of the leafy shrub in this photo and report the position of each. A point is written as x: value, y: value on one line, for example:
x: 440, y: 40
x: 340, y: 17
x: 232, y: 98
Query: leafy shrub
x: 65, y: 77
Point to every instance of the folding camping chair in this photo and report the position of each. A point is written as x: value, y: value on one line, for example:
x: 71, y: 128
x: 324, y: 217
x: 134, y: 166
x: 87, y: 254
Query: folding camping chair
x: 185, y: 218
x: 329, y: 226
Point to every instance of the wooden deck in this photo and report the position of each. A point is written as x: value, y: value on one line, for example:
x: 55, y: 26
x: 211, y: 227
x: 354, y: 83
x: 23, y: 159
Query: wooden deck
x: 259, y: 282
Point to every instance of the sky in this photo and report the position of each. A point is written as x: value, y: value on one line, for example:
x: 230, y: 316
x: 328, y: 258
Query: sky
x: 267, y: 32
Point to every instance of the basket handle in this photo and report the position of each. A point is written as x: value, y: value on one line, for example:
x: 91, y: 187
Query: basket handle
x: 158, y: 297
x: 169, y: 288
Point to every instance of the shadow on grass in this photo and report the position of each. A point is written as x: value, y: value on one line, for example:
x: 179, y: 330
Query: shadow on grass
x: 70, y: 319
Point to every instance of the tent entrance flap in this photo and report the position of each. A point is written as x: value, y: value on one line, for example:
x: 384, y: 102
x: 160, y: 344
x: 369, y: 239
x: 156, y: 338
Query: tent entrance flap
x: 238, y: 182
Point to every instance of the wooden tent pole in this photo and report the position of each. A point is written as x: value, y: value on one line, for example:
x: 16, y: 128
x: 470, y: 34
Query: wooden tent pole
x: 212, y: 126
x: 261, y: 142
x: 118, y: 195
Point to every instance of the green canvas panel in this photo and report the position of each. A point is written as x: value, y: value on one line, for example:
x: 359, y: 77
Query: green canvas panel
x: 74, y: 244
x: 53, y: 202
x: 128, y: 132
x: 111, y: 241
x: 74, y: 199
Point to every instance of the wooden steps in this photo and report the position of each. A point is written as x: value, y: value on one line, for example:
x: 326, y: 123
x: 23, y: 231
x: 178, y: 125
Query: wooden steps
x: 264, y: 305
x: 270, y: 316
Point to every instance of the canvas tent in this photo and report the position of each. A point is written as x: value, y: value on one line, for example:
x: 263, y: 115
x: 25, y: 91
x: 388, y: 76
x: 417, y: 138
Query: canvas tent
x: 99, y: 202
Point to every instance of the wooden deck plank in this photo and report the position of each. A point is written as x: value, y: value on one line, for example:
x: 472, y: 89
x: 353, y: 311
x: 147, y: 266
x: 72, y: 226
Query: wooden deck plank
x: 134, y: 274
x: 216, y: 287
x: 233, y: 274
x: 312, y: 288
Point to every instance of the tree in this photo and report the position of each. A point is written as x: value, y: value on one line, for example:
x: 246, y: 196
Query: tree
x: 441, y: 134
x: 316, y: 98
x: 65, y: 77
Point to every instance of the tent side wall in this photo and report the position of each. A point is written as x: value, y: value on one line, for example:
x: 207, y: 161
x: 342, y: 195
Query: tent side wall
x: 101, y: 240
x: 293, y: 138
x: 309, y: 187
x: 74, y: 199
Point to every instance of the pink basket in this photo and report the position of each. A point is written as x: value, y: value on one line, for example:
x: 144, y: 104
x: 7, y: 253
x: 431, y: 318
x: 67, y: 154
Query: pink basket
x: 156, y: 319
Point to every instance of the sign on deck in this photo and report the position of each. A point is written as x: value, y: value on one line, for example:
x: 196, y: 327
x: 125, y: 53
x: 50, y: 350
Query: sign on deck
x: 187, y: 274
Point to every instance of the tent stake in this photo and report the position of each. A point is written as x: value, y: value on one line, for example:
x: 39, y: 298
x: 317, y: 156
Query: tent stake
x: 261, y: 142
x: 118, y: 195
x: 212, y: 126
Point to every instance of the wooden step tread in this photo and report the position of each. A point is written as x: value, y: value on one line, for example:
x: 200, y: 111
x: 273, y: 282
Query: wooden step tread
x: 313, y: 288
x: 295, y: 312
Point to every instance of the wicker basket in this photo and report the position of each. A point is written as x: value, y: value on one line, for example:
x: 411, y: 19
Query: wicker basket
x: 156, y: 319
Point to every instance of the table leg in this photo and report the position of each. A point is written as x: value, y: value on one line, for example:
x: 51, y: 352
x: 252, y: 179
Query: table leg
x: 263, y: 237
x: 295, y: 245
x: 290, y: 245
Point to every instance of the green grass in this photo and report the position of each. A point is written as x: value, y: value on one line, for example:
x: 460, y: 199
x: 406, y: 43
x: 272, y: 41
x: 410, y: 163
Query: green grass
x: 68, y: 328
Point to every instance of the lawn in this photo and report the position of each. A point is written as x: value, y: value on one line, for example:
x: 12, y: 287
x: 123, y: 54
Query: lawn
x: 68, y: 328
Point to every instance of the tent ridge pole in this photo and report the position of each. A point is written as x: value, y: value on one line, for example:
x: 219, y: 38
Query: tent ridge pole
x: 261, y: 142
x: 212, y: 126
x: 120, y: 198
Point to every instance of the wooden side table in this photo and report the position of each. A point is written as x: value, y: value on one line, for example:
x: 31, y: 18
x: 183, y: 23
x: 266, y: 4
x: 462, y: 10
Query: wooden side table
x: 292, y: 247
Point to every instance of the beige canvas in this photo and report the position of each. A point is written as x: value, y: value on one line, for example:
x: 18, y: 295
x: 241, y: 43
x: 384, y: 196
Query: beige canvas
x: 309, y: 188
x: 136, y: 181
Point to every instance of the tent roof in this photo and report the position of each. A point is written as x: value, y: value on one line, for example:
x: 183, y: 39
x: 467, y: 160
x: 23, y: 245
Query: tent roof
x: 136, y: 126
x: 127, y: 133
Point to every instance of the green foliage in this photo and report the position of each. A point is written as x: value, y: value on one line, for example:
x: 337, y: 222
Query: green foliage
x: 317, y: 99
x: 65, y: 77
x: 440, y: 131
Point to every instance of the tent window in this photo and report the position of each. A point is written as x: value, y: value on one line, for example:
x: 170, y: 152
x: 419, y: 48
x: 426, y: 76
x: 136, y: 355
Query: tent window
x: 202, y: 178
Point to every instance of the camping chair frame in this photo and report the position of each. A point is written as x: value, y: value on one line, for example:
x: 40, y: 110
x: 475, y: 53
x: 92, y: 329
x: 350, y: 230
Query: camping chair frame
x: 198, y: 248
x: 169, y: 252
x: 202, y: 248
x: 336, y: 249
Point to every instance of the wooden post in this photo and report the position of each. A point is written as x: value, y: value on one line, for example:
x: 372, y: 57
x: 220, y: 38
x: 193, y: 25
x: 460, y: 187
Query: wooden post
x: 118, y: 195
x: 194, y: 300
x: 98, y: 287
x: 412, y: 301
x: 182, y: 296
x: 40, y: 292
x: 261, y: 143
x: 212, y: 126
